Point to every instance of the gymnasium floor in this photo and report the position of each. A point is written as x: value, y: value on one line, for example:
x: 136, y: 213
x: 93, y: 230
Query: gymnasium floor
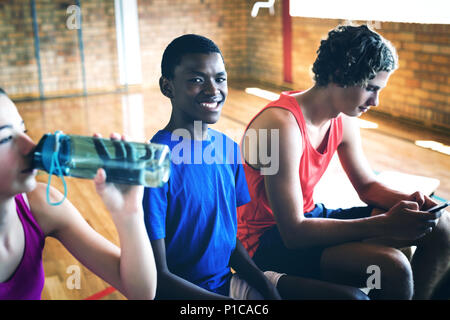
x: 140, y: 114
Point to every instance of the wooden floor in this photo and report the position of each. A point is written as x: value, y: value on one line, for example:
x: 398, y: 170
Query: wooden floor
x: 141, y: 114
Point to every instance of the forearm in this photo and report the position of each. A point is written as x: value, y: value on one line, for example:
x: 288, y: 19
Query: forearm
x: 171, y: 286
x: 381, y: 196
x: 137, y: 265
x: 244, y: 266
x: 327, y: 232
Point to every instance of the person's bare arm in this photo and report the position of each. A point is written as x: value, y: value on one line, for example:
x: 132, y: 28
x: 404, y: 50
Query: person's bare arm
x: 362, y: 177
x: 130, y: 268
x: 285, y: 196
x: 171, y: 286
x: 244, y: 266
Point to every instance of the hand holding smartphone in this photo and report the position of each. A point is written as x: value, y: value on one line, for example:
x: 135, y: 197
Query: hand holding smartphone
x: 439, y: 207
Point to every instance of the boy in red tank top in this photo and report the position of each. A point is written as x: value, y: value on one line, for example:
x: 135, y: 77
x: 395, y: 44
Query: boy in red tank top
x: 285, y: 231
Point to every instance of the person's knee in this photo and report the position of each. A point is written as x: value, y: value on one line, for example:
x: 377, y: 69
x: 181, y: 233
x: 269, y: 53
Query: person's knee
x: 356, y: 294
x: 396, y: 274
x: 439, y: 238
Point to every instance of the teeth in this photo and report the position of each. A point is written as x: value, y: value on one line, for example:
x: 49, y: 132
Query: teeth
x: 209, y: 105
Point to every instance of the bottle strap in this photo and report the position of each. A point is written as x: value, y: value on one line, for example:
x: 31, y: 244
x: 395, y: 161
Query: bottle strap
x: 55, y: 164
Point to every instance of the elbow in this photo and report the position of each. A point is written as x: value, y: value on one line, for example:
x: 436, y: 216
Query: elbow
x: 163, y: 290
x: 143, y: 288
x: 364, y: 198
x: 365, y: 193
x: 147, y: 292
x: 151, y: 294
x: 147, y: 295
x: 295, y: 236
x: 290, y: 238
x: 291, y: 245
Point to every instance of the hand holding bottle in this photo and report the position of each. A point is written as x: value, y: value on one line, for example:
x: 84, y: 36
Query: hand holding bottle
x: 118, y: 198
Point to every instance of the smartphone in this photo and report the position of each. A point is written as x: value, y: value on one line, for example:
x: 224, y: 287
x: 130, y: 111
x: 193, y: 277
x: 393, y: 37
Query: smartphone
x: 439, y: 207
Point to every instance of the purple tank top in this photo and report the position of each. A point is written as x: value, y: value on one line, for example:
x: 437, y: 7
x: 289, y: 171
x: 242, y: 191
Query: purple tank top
x: 27, y: 282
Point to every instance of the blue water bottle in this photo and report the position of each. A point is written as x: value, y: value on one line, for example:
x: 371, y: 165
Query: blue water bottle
x: 124, y: 162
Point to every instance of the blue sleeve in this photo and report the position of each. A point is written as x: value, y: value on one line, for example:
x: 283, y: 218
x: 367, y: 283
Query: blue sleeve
x: 155, y: 208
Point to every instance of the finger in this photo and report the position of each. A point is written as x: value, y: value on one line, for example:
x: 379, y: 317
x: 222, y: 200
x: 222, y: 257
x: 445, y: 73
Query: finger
x: 100, y: 180
x: 423, y: 215
x: 411, y: 205
x: 419, y: 198
x: 429, y: 203
x: 115, y: 136
x: 420, y: 216
x: 430, y: 215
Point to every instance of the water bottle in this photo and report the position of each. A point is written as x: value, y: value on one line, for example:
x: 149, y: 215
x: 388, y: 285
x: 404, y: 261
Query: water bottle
x: 124, y: 162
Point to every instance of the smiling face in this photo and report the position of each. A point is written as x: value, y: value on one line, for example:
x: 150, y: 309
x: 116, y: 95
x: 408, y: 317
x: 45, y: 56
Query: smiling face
x: 355, y: 100
x: 15, y: 174
x: 198, y: 89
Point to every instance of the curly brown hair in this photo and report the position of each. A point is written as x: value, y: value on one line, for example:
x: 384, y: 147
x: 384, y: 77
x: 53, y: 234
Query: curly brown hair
x: 351, y: 56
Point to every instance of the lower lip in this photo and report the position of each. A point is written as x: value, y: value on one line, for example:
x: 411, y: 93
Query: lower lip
x: 30, y: 171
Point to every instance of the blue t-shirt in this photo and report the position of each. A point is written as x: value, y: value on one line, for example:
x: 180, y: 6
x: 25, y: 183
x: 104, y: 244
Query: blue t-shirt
x: 195, y: 211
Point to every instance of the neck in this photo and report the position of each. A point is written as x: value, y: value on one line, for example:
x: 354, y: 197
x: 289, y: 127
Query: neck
x: 317, y: 105
x: 198, y: 130
x: 7, y: 209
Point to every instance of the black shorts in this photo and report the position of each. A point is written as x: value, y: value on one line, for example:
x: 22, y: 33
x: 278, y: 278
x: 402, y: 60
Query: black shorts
x: 273, y: 255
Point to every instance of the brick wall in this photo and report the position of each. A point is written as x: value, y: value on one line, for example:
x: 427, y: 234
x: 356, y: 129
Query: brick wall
x: 18, y: 71
x: 59, y: 48
x: 420, y: 89
x: 160, y: 21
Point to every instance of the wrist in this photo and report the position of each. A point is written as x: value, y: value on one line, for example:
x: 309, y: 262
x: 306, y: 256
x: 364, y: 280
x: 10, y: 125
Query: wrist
x: 127, y: 220
x: 126, y: 211
x: 378, y: 226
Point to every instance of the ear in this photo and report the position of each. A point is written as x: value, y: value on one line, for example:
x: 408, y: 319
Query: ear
x: 165, y: 85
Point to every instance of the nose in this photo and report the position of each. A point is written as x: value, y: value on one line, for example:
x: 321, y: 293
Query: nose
x: 211, y: 88
x: 374, y: 99
x: 26, y: 145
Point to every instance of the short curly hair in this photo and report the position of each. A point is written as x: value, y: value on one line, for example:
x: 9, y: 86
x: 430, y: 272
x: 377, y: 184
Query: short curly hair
x: 353, y: 55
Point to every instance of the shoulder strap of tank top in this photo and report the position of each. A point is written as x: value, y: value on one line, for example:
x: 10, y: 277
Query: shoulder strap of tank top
x: 24, y: 210
x: 287, y: 102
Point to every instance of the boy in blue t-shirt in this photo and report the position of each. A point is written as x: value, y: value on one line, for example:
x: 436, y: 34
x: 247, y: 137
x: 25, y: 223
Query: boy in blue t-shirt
x: 191, y: 221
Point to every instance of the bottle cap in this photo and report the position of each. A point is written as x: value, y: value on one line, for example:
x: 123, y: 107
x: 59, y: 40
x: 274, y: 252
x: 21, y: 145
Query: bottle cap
x: 49, y: 143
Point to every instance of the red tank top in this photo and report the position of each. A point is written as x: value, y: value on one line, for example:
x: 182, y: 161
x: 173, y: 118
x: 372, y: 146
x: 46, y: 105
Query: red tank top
x: 255, y: 217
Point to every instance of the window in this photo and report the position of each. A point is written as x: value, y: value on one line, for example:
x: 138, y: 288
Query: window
x: 412, y: 11
x: 128, y: 48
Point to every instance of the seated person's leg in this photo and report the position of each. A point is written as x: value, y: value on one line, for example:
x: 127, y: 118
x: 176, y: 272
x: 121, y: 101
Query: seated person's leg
x: 430, y: 261
x: 348, y: 264
x: 292, y: 287
x: 301, y: 267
